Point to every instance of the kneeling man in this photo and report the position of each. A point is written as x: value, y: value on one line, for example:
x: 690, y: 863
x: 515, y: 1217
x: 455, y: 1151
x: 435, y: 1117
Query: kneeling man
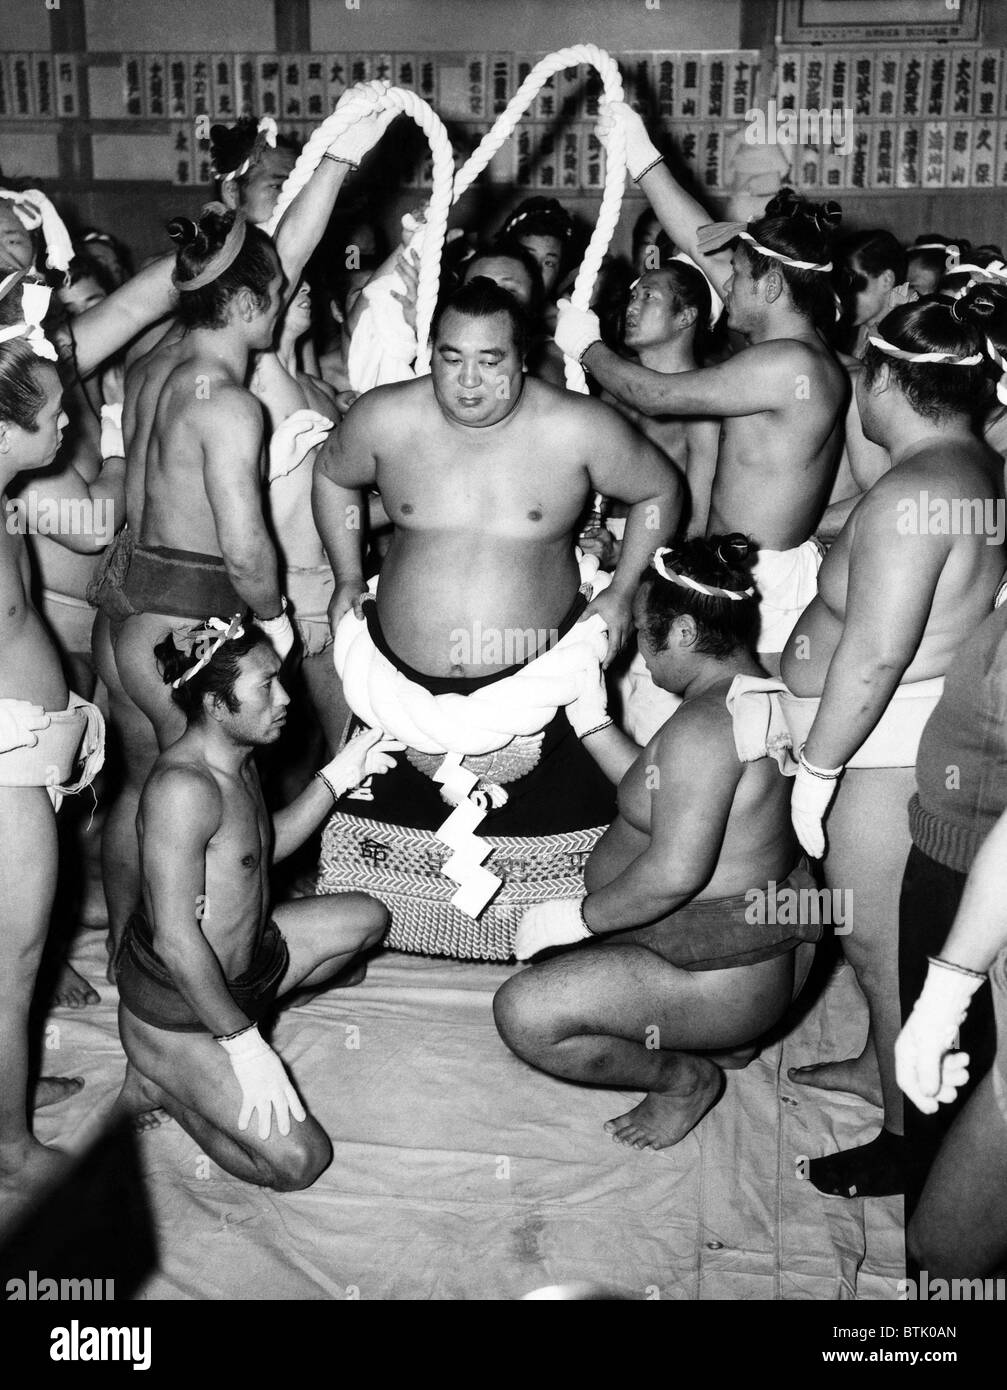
x: 204, y: 961
x: 688, y: 954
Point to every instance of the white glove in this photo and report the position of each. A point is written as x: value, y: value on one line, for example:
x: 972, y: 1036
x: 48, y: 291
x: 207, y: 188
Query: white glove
x: 641, y: 152
x: 112, y: 446
x: 814, y: 788
x: 293, y: 440
x: 576, y: 329
x: 367, y: 101
x: 20, y: 722
x: 590, y: 707
x: 550, y: 924
x: 926, y: 1068
x: 366, y: 754
x: 265, y: 1085
x: 280, y: 632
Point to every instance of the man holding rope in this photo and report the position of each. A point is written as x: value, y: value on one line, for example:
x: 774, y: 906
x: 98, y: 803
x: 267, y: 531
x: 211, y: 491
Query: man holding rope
x: 782, y: 399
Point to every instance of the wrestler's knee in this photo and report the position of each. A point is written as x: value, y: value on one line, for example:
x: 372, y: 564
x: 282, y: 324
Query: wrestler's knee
x: 521, y: 1014
x: 372, y: 916
x: 306, y: 1153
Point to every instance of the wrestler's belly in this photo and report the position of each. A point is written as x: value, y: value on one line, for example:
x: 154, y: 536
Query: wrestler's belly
x: 813, y: 643
x: 62, y: 570
x: 468, y: 605
x: 29, y: 666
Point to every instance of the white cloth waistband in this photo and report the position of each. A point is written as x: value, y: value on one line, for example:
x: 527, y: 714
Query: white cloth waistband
x: 895, y: 739
x: 489, y: 717
x: 74, y: 734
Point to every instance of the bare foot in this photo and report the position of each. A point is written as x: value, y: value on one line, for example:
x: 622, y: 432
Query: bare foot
x: 857, y: 1075
x: 50, y: 1090
x: 664, y: 1118
x: 26, y: 1169
x: 141, y: 1100
x: 72, y: 990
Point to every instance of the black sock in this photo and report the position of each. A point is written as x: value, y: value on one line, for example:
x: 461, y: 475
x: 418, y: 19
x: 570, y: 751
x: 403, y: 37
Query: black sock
x: 877, y: 1169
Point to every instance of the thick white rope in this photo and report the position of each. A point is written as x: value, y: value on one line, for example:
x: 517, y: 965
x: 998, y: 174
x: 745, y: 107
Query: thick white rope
x: 447, y: 187
x: 440, y: 198
x: 615, y: 166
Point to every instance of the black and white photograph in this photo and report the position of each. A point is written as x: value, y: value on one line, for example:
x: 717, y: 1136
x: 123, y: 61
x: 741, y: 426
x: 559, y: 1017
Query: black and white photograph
x: 503, y: 664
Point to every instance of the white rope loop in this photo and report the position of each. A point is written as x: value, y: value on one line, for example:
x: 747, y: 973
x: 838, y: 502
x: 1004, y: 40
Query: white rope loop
x: 448, y: 187
x: 615, y: 166
x: 440, y: 199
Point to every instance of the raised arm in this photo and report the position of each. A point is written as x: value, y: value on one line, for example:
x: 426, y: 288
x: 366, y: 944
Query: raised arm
x: 103, y: 330
x: 678, y: 212
x: 232, y: 445
x: 303, y: 224
x: 180, y: 812
x: 749, y: 384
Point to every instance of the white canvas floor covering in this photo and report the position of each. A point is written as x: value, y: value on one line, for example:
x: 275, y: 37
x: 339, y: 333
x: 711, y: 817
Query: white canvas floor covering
x: 459, y: 1173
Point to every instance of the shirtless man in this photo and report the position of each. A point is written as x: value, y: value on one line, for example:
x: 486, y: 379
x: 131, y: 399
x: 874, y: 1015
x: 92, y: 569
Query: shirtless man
x: 897, y: 593
x: 675, y: 959
x: 195, y: 472
x: 782, y: 400
x: 202, y: 964
x: 668, y: 309
x: 485, y: 473
x: 483, y: 527
x: 34, y: 694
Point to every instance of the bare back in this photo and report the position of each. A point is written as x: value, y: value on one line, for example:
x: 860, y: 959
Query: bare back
x: 175, y: 398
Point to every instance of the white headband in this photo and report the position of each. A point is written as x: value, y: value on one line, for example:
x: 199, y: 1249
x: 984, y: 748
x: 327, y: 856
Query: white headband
x: 707, y: 590
x: 266, y: 127
x: 948, y: 359
x: 229, y: 632
x: 779, y: 256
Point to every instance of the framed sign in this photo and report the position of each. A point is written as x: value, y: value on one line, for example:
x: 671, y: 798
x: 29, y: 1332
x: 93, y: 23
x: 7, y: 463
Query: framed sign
x: 857, y: 21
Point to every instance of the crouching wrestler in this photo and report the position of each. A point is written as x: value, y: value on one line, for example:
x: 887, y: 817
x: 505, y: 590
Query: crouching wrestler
x: 686, y: 954
x: 201, y: 965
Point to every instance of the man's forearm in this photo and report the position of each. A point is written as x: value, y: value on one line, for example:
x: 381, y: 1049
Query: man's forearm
x: 681, y: 216
x: 338, y: 514
x: 303, y: 224
x: 857, y: 692
x: 644, y: 892
x: 979, y: 932
x: 650, y: 393
x: 253, y: 572
x: 613, y: 751
x: 197, y: 975
x: 101, y: 331
x: 648, y: 525
x: 293, y: 825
